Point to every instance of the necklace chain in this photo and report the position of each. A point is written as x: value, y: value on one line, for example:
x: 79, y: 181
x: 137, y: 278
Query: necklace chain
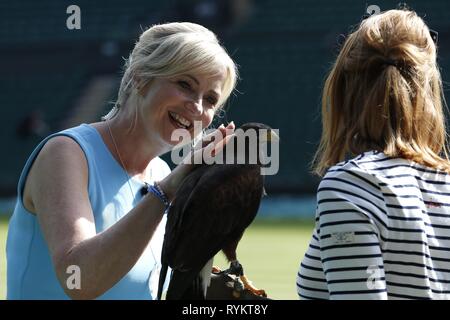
x: 120, y: 159
x: 128, y: 178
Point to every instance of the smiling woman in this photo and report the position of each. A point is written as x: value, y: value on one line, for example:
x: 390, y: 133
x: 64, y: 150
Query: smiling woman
x: 176, y: 102
x: 80, y: 201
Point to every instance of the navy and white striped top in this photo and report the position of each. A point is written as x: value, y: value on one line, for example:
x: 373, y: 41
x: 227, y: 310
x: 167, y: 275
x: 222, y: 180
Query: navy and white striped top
x: 382, y: 232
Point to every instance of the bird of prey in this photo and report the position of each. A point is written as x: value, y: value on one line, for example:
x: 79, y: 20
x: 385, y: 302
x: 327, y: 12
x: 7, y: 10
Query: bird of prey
x: 211, y: 210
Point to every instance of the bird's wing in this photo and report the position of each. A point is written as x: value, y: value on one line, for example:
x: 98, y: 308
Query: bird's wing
x: 213, y: 206
x: 173, y: 224
x: 176, y: 211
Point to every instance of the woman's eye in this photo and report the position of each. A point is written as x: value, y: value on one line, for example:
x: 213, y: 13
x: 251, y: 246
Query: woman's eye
x: 184, y: 84
x: 211, y: 100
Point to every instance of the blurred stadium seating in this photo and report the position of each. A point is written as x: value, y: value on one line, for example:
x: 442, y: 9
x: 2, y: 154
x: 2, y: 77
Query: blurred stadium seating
x: 284, y: 49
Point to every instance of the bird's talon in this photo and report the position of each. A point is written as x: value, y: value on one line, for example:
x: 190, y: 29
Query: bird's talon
x: 260, y: 292
x: 248, y: 285
x: 216, y: 269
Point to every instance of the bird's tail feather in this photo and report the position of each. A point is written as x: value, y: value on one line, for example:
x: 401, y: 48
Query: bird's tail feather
x: 186, y: 286
x: 162, y: 279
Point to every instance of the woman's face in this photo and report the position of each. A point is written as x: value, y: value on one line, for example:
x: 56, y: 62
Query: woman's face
x: 175, y: 103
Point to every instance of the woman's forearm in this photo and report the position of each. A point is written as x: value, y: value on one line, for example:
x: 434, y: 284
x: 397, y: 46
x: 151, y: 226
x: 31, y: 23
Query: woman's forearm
x: 105, y: 258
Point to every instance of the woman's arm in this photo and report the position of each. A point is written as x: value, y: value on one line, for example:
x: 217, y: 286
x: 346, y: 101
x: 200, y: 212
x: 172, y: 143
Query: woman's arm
x: 349, y: 246
x: 58, y: 189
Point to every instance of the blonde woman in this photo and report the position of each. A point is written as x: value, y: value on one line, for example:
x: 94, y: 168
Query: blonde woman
x: 82, y: 228
x: 383, y: 205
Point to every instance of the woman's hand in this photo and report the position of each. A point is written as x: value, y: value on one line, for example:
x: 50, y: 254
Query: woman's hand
x: 209, y: 146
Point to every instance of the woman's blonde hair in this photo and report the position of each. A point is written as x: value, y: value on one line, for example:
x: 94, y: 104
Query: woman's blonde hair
x: 384, y: 93
x: 172, y: 49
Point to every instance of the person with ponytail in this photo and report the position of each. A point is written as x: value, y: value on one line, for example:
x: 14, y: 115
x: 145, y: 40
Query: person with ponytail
x: 383, y: 204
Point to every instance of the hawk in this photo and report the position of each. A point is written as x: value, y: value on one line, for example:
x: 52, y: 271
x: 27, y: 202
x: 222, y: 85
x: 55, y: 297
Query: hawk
x: 211, y: 210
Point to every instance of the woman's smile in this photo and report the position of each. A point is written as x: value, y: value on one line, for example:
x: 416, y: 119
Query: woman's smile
x: 179, y: 122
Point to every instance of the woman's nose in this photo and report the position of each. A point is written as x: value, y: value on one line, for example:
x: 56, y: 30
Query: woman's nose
x: 195, y: 106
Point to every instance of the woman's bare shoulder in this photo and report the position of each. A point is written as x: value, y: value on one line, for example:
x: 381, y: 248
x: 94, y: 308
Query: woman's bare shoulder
x: 61, y: 160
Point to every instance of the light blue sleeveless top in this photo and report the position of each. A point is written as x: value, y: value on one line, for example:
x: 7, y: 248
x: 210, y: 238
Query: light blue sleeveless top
x: 30, y: 272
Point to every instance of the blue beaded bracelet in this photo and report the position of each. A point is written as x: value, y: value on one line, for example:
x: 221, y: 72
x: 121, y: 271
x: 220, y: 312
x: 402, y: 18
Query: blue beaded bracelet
x: 156, y: 190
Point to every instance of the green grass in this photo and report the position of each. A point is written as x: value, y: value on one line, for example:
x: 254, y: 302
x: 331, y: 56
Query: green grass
x: 270, y: 252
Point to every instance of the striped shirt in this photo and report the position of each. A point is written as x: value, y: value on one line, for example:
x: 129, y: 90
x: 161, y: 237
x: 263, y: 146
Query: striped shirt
x: 382, y: 232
